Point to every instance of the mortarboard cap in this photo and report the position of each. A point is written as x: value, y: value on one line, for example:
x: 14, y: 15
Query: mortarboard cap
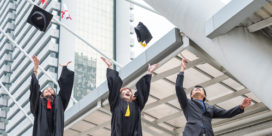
x: 143, y: 34
x: 39, y: 18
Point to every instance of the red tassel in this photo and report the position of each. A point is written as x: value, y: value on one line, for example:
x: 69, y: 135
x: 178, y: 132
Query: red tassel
x: 62, y: 14
x: 49, y: 107
x: 42, y: 1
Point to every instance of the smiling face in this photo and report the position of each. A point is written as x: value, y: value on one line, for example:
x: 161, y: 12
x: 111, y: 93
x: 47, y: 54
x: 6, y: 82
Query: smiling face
x: 48, y: 92
x: 126, y: 94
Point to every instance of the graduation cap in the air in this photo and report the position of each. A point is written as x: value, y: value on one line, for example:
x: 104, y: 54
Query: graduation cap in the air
x: 143, y: 34
x: 39, y: 18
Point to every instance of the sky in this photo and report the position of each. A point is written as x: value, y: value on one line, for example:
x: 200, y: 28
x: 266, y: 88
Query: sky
x: 157, y: 25
x: 225, y: 1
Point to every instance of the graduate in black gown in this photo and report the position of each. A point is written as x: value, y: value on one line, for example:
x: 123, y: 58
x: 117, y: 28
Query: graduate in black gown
x: 47, y: 107
x: 125, y: 108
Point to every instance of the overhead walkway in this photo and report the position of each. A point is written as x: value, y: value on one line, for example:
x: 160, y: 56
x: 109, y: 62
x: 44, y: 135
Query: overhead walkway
x: 236, y: 35
x: 224, y: 33
x: 162, y: 114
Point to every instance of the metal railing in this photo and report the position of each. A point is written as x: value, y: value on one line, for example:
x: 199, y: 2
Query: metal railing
x: 16, y: 103
x: 81, y: 38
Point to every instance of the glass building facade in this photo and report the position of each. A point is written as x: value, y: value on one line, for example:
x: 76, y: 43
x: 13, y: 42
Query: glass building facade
x: 85, y: 79
x: 95, y: 22
x: 91, y: 19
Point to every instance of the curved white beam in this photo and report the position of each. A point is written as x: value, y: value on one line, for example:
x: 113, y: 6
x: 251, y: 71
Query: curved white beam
x: 247, y: 56
x: 231, y: 15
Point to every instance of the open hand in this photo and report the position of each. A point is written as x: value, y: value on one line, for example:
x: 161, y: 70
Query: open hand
x: 246, y: 102
x: 108, y: 62
x: 36, y: 62
x: 183, y: 65
x: 151, y: 68
x: 65, y: 65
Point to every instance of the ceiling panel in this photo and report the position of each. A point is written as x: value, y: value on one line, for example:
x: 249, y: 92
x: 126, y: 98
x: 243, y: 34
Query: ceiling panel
x: 231, y: 102
x: 162, y: 89
x: 216, y: 90
x: 161, y: 111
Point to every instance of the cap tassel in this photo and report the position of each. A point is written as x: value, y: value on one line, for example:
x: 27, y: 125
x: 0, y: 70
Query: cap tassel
x: 44, y: 1
x: 127, y: 111
x: 143, y: 44
x: 49, y: 106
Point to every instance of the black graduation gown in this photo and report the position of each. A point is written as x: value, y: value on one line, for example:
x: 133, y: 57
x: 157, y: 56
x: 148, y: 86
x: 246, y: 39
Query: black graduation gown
x: 121, y: 125
x: 38, y: 104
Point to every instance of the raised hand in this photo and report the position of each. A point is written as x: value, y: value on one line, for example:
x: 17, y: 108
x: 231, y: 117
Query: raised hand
x: 36, y: 64
x: 246, y: 102
x: 36, y: 61
x: 151, y: 68
x: 65, y: 65
x: 108, y: 62
x: 183, y: 65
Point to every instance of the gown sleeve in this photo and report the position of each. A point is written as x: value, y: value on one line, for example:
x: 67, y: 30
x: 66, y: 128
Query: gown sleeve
x: 221, y: 113
x: 182, y: 98
x: 34, y: 95
x: 114, y: 84
x: 66, y: 82
x: 143, y: 89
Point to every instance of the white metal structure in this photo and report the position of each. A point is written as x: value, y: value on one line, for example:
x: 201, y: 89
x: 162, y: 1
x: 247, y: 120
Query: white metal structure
x: 81, y: 38
x: 247, y: 56
x: 162, y: 114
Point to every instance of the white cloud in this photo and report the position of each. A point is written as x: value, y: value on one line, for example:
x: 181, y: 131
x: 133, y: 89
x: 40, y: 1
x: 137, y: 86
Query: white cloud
x: 225, y: 1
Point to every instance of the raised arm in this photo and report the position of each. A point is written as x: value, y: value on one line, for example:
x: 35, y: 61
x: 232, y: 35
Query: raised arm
x: 182, y: 98
x: 66, y: 82
x: 34, y: 89
x: 143, y: 87
x: 221, y: 113
x: 114, y: 84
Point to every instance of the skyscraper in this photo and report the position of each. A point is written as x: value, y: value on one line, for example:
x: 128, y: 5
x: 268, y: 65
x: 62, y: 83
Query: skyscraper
x: 92, y: 19
x: 6, y: 22
x: 16, y: 68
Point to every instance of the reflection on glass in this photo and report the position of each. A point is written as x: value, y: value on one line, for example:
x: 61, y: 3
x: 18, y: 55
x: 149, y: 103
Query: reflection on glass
x: 95, y: 23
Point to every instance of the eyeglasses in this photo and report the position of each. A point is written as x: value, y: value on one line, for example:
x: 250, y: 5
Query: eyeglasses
x: 201, y: 88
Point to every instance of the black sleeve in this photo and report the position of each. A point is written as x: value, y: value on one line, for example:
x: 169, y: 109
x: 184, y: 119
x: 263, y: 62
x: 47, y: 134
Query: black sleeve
x: 182, y: 98
x: 114, y: 84
x: 34, y: 95
x: 143, y: 89
x: 66, y: 82
x: 221, y: 113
